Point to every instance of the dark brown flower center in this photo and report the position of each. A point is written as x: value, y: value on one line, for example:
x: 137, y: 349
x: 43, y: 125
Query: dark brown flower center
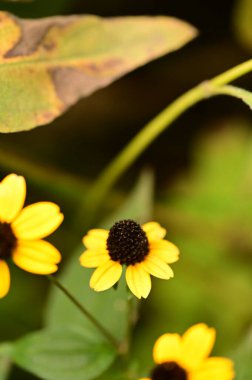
x: 127, y: 242
x: 168, y: 371
x: 7, y: 241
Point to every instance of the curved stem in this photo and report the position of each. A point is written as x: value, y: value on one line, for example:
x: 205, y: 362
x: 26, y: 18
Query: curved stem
x: 153, y: 129
x: 86, y: 313
x: 232, y: 74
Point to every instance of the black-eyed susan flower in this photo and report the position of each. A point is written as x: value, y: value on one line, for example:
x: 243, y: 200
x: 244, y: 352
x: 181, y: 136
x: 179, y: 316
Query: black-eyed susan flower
x: 187, y: 357
x: 142, y: 249
x: 21, y: 231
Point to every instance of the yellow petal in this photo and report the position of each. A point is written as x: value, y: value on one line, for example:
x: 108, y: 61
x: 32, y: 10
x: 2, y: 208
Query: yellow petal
x: 157, y: 267
x: 4, y: 279
x: 167, y: 348
x: 12, y: 197
x: 96, y: 239
x: 154, y: 231
x: 37, y: 221
x: 138, y: 281
x: 165, y: 250
x: 145, y: 378
x: 36, y: 256
x: 93, y: 259
x: 105, y: 276
x: 197, y: 344
x: 38, y: 250
x: 33, y: 266
x: 99, y: 233
x: 214, y: 369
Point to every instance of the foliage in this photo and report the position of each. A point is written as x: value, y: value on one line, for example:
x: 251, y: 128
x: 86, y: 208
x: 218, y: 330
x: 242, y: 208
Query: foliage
x: 63, y: 353
x: 47, y: 65
x: 5, y: 360
x: 71, y: 57
x: 208, y: 211
x: 138, y: 206
x: 242, y: 357
x: 68, y: 333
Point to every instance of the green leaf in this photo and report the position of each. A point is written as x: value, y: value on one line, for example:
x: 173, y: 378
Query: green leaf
x: 139, y: 204
x: 14, y: 320
x: 48, y: 64
x: 209, y: 211
x: 5, y: 360
x: 236, y: 92
x: 242, y: 359
x: 109, y: 307
x: 208, y: 215
x: 64, y: 353
x: 117, y: 372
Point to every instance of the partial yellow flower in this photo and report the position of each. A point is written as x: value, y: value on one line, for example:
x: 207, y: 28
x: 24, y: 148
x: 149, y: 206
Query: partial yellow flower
x: 141, y: 248
x: 21, y: 231
x: 187, y: 357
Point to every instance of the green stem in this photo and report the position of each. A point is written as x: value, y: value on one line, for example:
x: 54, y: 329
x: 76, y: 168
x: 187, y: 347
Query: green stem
x: 153, y: 129
x: 127, y: 343
x: 130, y: 323
x: 86, y: 313
x: 232, y: 74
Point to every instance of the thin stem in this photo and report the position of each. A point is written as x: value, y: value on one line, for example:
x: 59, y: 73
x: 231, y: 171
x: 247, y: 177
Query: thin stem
x: 153, y: 129
x: 132, y: 318
x: 127, y: 343
x: 233, y: 74
x: 85, y: 312
x: 130, y: 322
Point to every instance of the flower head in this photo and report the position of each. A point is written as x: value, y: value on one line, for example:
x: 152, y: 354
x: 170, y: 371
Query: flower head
x: 21, y: 231
x: 186, y: 357
x: 141, y: 249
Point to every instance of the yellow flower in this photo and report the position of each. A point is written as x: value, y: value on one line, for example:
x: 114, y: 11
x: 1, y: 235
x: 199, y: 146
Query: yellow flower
x: 186, y: 357
x: 141, y: 248
x: 21, y: 231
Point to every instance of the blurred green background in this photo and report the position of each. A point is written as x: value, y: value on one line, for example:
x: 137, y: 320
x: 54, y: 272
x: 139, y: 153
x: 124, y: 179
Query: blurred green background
x: 202, y: 167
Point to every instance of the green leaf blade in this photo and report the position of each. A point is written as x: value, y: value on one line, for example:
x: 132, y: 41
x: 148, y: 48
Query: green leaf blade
x: 5, y: 360
x: 109, y: 307
x: 242, y: 358
x: 63, y: 353
x: 46, y: 65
